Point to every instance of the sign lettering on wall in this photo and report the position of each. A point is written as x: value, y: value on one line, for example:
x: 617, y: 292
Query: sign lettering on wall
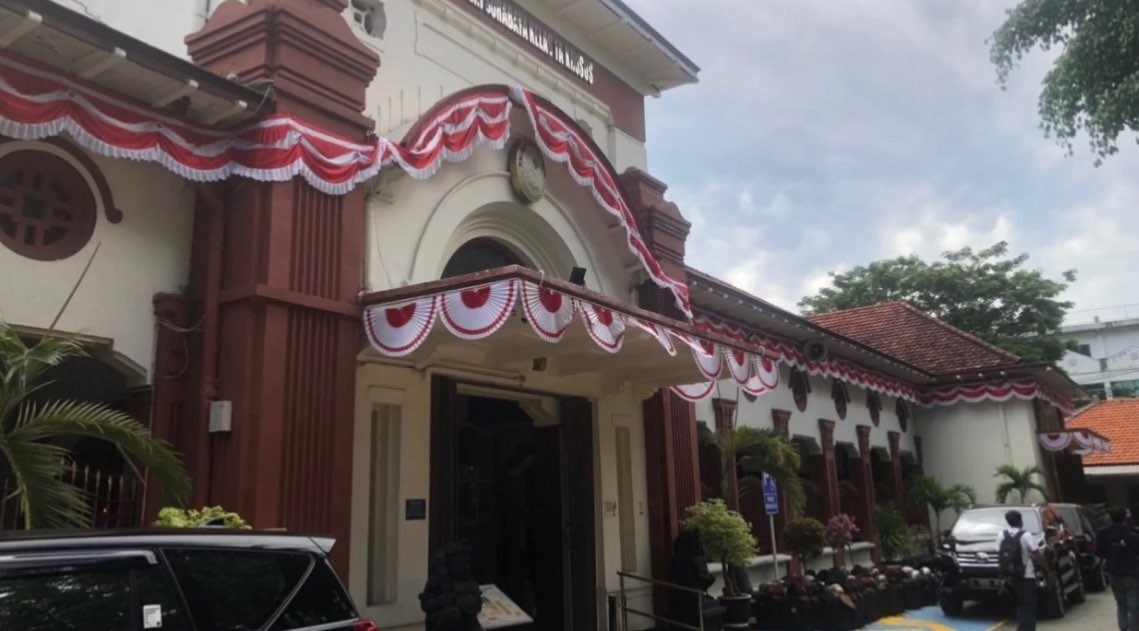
x: 538, y: 36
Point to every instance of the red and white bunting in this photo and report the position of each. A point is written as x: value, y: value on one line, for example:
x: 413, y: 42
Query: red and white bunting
x: 659, y: 333
x: 709, y: 358
x: 37, y: 103
x: 605, y: 326
x: 1058, y: 441
x: 1081, y: 441
x: 695, y: 392
x: 996, y: 391
x: 398, y: 330
x: 790, y: 354
x: 548, y: 311
x: 472, y: 314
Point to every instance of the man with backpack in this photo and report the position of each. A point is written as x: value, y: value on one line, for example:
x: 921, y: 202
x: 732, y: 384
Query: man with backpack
x: 1118, y: 545
x: 1019, y: 554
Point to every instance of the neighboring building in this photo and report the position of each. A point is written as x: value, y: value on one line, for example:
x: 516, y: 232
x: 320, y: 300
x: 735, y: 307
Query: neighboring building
x: 1106, y: 363
x: 321, y: 280
x: 1112, y: 478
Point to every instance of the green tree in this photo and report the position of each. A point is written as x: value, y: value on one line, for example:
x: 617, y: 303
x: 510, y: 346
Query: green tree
x: 987, y: 293
x: 927, y: 492
x: 753, y: 451
x: 1093, y: 86
x: 28, y: 428
x: 1021, y: 481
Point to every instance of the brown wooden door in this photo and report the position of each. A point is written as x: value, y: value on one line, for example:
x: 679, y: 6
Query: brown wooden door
x: 577, y: 423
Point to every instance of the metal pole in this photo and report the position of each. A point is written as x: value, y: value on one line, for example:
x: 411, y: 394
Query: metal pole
x: 774, y: 554
x: 624, y: 617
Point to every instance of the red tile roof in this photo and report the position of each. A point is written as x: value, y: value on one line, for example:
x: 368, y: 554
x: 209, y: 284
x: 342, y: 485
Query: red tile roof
x: 1117, y: 421
x: 910, y: 335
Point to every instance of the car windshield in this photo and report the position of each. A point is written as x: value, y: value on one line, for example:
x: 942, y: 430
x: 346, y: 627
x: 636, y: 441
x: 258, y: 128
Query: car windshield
x: 986, y: 523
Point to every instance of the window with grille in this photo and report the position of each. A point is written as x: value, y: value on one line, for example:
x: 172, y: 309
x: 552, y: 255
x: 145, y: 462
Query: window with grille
x: 47, y: 209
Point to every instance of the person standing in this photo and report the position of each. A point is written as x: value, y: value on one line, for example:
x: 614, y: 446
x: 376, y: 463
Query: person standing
x: 1019, y: 554
x: 1118, y: 545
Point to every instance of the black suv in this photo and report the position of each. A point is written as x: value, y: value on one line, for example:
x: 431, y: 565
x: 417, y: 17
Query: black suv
x: 1080, y: 521
x: 970, y: 557
x: 181, y: 580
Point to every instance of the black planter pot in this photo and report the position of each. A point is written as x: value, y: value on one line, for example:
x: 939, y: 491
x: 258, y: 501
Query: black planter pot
x: 797, y: 615
x: 895, y: 600
x: 737, y: 614
x: 915, y: 593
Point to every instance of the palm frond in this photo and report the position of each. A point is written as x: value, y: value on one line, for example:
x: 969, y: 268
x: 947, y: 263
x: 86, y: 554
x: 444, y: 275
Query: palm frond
x: 1003, y: 491
x: 95, y: 420
x: 45, y: 499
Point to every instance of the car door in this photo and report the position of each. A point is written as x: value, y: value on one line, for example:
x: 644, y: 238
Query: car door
x: 109, y: 590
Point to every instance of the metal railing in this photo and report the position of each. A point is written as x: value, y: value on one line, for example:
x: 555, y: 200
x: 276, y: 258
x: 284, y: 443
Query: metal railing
x: 113, y: 499
x: 623, y: 609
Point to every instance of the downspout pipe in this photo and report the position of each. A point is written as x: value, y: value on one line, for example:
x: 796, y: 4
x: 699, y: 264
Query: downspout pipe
x: 213, y: 206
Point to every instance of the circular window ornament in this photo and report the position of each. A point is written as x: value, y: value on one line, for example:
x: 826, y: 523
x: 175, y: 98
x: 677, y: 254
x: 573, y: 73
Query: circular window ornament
x: 47, y: 209
x: 527, y: 171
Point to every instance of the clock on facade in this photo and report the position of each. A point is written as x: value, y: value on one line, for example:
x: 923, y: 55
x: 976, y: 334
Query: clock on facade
x: 527, y: 171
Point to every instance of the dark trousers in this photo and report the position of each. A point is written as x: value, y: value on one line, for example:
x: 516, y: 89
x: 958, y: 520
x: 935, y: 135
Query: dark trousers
x: 1126, y: 590
x: 1026, y: 590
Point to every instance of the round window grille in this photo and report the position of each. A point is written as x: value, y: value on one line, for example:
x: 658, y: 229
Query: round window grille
x: 47, y: 210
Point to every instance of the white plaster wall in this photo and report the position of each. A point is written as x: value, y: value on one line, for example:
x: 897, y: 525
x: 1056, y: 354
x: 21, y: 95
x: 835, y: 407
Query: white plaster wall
x: 819, y: 406
x: 415, y: 226
x: 964, y: 444
x: 411, y: 391
x: 432, y: 49
x: 147, y: 253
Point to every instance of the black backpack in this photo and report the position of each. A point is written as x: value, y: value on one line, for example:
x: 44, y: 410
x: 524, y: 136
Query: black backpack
x: 1010, y: 558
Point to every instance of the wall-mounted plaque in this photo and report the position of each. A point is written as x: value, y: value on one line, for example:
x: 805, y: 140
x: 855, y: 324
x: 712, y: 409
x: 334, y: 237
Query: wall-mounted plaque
x: 527, y: 170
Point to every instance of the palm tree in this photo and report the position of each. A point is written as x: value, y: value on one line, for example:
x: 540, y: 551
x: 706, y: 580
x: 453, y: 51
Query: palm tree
x: 1023, y: 481
x: 926, y: 491
x: 28, y: 428
x: 753, y: 451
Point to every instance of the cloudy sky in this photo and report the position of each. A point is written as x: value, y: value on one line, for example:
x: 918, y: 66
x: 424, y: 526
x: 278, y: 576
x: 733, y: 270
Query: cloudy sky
x: 825, y: 134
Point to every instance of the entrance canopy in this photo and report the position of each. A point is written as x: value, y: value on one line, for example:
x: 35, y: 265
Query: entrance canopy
x: 519, y: 319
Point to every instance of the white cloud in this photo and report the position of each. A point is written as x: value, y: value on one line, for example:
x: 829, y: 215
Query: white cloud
x: 825, y: 135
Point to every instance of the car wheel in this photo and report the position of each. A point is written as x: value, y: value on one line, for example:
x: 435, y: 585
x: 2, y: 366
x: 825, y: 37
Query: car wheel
x: 1052, y: 602
x: 1096, y: 580
x: 951, y: 606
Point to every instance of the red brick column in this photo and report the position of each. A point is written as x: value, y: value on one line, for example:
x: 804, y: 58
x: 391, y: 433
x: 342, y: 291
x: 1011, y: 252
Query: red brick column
x: 288, y: 326
x: 864, y: 479
x: 831, y: 500
x: 725, y: 412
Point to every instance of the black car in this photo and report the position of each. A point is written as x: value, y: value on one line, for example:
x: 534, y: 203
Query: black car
x: 1080, y: 522
x: 181, y: 580
x: 969, y: 554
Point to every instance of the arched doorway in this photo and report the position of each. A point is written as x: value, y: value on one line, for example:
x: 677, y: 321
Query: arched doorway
x: 478, y: 255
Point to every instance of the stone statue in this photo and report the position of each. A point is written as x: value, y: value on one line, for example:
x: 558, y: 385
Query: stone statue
x: 451, y: 599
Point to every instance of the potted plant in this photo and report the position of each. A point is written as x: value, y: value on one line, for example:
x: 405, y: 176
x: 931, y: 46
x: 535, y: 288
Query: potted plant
x: 804, y: 538
x: 840, y: 532
x: 728, y: 539
x: 216, y: 516
x: 1023, y: 482
x: 894, y: 534
x: 927, y: 493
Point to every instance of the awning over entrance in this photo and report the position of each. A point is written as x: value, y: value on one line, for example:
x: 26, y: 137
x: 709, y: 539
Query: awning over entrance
x: 1080, y: 442
x: 552, y: 325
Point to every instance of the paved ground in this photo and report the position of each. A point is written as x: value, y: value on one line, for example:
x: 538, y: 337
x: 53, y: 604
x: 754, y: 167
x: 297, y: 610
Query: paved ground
x: 1097, y: 614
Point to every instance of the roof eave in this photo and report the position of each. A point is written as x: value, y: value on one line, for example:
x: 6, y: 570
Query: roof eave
x: 646, y: 30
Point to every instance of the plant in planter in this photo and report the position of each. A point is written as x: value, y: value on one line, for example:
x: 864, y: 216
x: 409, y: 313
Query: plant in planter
x: 805, y: 538
x: 894, y: 534
x: 928, y: 493
x: 840, y: 532
x: 171, y: 517
x: 727, y: 538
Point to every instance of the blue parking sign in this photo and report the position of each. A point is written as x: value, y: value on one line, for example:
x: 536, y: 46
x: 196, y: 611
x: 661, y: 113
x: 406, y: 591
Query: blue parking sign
x: 770, y: 495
